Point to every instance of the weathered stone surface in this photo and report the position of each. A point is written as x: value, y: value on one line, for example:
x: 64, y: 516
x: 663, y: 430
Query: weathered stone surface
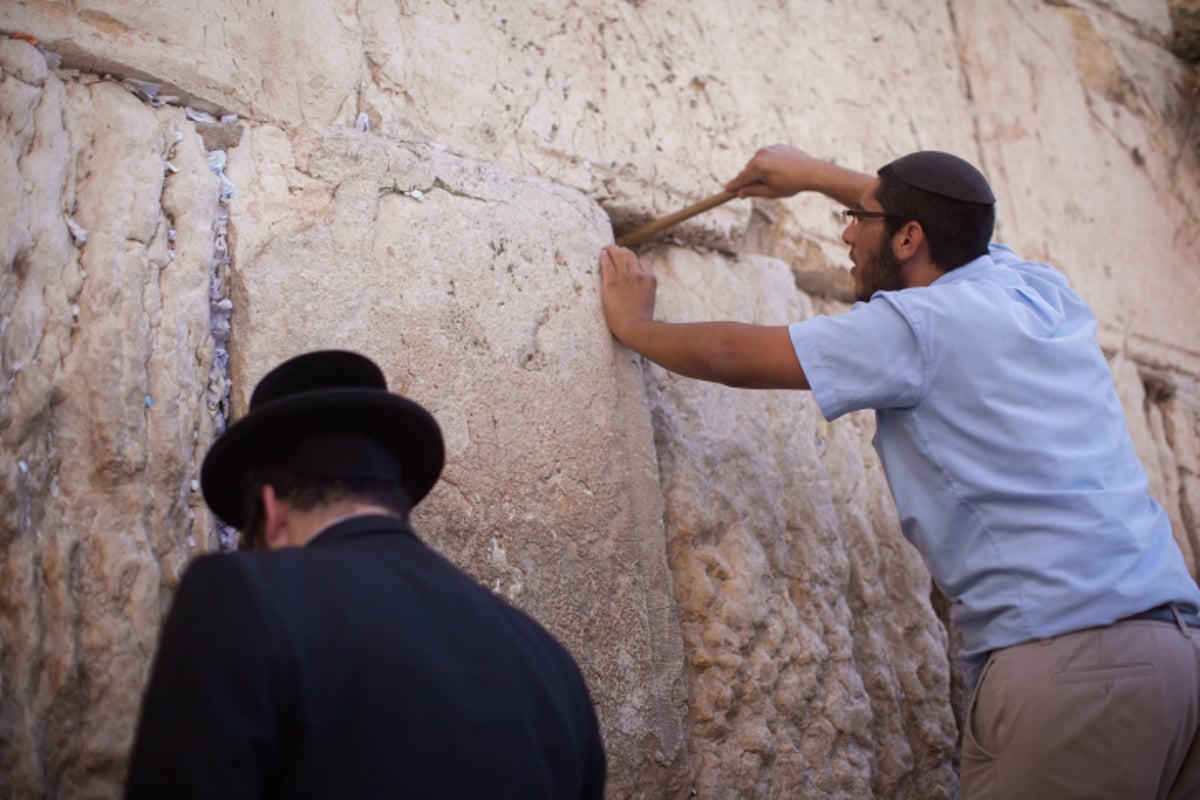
x: 646, y: 109
x: 1161, y: 411
x: 104, y: 355
x: 476, y: 291
x: 216, y: 56
x: 794, y: 585
x: 1129, y: 192
x: 1185, y: 29
x: 1181, y: 457
x: 726, y: 566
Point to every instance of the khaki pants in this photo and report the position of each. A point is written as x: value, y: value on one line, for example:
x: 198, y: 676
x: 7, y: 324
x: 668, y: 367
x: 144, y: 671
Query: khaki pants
x: 1103, y: 713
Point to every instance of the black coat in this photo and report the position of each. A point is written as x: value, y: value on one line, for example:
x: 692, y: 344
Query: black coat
x: 362, y: 666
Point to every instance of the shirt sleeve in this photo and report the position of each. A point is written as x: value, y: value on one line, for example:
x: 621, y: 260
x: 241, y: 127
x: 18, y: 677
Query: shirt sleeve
x: 208, y: 719
x: 870, y: 357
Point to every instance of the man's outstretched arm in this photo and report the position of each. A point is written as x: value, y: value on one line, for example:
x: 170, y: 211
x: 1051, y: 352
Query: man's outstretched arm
x: 782, y: 171
x: 735, y: 354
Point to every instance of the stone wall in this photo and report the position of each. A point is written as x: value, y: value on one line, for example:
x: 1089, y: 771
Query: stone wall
x: 192, y: 194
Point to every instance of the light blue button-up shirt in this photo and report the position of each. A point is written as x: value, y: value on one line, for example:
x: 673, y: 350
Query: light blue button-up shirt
x: 1005, y: 447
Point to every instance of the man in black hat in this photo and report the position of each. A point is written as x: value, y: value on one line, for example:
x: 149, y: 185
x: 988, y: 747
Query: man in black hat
x: 349, y: 659
x: 1007, y: 454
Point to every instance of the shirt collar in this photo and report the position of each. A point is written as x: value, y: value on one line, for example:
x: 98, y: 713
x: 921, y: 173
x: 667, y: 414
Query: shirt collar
x: 968, y: 271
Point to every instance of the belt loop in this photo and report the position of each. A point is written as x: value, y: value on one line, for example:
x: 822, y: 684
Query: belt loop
x: 1183, y: 628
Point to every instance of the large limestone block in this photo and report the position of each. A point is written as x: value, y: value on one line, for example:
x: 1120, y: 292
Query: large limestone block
x: 643, y: 105
x: 214, y: 54
x: 476, y: 291
x: 650, y: 102
x: 1081, y: 130
x: 1076, y: 111
x: 817, y: 666
x: 104, y: 356
x: 651, y: 106
x: 1180, y: 415
x: 1163, y: 418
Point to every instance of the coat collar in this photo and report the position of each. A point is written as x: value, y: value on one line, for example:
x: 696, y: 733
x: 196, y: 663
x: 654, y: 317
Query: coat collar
x: 362, y: 525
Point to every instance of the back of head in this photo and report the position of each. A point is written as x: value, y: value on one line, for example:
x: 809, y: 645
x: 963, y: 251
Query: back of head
x: 321, y: 471
x: 948, y: 196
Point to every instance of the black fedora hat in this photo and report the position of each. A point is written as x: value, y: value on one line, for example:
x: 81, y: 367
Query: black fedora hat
x: 328, y: 396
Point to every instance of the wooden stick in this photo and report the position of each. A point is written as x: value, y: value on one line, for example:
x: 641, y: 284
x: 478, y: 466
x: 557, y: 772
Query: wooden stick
x: 634, y: 238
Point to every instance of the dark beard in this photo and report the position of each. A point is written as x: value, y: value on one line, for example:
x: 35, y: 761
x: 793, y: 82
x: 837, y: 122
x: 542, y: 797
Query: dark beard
x: 880, y: 272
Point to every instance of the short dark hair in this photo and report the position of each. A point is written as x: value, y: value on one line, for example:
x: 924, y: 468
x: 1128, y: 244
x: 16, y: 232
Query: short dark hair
x: 306, y: 492
x: 957, y: 231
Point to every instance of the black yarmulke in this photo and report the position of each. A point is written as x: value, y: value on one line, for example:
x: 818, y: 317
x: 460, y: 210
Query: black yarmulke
x: 943, y: 174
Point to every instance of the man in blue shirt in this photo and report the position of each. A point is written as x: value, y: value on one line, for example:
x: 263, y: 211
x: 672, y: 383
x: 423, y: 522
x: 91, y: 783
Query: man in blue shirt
x: 1006, y: 450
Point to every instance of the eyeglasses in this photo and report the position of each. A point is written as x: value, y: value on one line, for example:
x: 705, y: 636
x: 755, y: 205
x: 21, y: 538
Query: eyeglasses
x: 859, y: 215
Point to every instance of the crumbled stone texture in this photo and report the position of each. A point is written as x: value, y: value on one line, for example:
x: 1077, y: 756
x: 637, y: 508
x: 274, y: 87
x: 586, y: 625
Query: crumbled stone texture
x: 726, y: 566
x: 104, y: 358
x: 793, y: 582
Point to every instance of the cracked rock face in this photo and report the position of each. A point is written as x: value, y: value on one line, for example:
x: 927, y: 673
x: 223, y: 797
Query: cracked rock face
x: 793, y: 582
x: 475, y: 291
x: 1185, y: 29
x: 105, y: 354
x: 428, y: 183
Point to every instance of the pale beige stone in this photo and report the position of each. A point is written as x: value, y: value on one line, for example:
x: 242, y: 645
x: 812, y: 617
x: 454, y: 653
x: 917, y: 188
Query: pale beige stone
x: 476, y: 291
x: 216, y: 56
x: 104, y: 354
x: 1116, y: 219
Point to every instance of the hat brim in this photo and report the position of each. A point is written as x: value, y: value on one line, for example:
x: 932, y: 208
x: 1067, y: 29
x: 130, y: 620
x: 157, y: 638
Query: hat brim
x: 395, y: 422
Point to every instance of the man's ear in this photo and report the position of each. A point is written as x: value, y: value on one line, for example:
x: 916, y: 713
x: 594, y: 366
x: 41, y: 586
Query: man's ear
x: 907, y: 241
x: 275, y: 519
